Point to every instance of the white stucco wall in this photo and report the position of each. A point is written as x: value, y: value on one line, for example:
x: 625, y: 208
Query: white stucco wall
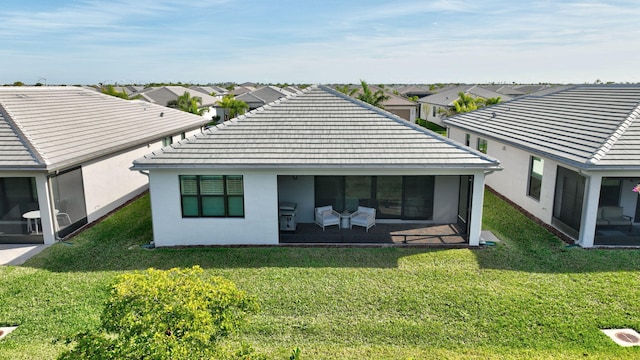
x: 108, y: 182
x: 513, y: 180
x: 427, y: 113
x: 259, y: 226
x: 445, y: 202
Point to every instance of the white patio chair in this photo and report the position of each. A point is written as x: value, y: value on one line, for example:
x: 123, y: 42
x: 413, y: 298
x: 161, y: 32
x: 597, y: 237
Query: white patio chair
x: 364, y: 216
x: 326, y: 216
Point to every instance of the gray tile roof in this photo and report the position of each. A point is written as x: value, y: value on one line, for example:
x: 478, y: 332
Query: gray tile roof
x: 50, y: 128
x: 262, y: 96
x: 448, y: 96
x: 590, y: 126
x: 318, y: 128
x: 162, y: 95
x: 13, y: 151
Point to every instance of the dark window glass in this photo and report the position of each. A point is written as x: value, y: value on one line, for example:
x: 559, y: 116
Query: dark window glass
x: 394, y: 197
x: 535, y: 177
x: 212, y: 196
x: 18, y: 196
x: 482, y: 145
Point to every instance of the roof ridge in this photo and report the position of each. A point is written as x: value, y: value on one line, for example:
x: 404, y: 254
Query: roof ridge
x: 261, y: 108
x: 606, y: 146
x: 408, y: 124
x: 23, y: 136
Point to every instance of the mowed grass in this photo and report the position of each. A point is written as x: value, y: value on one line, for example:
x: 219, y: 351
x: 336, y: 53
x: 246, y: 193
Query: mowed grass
x: 528, y: 297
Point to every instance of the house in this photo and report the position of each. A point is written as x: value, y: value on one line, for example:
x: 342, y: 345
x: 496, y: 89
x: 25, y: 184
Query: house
x: 415, y: 90
x: 394, y: 104
x: 65, y: 154
x: 262, y: 96
x: 208, y: 90
x: 164, y: 94
x: 430, y: 107
x: 239, y: 90
x: 315, y: 148
x: 571, y: 158
x: 400, y: 106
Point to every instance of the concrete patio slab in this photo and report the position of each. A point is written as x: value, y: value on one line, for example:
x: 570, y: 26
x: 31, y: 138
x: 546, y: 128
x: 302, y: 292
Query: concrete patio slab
x: 17, y: 254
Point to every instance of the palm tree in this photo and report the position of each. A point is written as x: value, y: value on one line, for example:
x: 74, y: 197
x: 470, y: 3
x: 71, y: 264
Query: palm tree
x: 466, y: 103
x: 346, y: 89
x: 187, y: 103
x: 373, y: 98
x: 110, y: 90
x: 235, y: 107
x: 490, y: 101
x: 463, y: 104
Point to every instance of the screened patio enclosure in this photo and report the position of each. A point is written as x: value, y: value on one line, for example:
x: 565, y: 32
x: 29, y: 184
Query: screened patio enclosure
x: 618, y: 218
x: 19, y: 197
x: 612, y: 220
x: 425, y: 200
x: 29, y: 216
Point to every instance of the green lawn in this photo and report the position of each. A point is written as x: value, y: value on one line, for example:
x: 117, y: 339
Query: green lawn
x: 527, y: 297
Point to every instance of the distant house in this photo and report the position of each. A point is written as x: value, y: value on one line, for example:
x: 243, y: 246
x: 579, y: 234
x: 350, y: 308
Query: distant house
x: 262, y: 96
x: 65, y: 154
x: 208, y: 90
x: 402, y: 107
x: 394, y: 104
x: 164, y: 94
x: 415, y: 90
x: 430, y: 107
x: 239, y: 90
x: 315, y: 148
x: 570, y: 157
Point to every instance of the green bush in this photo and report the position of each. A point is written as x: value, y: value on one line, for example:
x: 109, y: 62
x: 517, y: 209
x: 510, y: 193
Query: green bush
x: 165, y: 314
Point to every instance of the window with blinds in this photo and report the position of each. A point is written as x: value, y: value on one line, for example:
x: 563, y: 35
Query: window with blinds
x: 212, y: 195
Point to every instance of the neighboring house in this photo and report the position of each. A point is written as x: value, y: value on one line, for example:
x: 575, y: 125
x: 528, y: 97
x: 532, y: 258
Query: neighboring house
x: 430, y: 107
x: 571, y: 158
x: 239, y: 90
x: 319, y: 147
x: 208, y: 90
x: 164, y: 94
x: 402, y: 107
x: 508, y: 90
x: 262, y: 96
x: 415, y: 90
x: 515, y: 90
x: 394, y: 104
x: 65, y: 154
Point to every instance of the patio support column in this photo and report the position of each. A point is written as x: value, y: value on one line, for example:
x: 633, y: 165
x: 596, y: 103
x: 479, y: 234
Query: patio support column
x: 590, y: 211
x: 44, y: 203
x: 476, y: 209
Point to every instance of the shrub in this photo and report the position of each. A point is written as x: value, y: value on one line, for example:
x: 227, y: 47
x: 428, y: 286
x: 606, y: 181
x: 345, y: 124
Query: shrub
x: 165, y: 314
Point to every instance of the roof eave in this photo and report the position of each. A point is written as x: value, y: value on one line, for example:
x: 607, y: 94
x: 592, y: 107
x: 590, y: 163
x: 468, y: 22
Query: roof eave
x: 488, y: 167
x: 117, y: 149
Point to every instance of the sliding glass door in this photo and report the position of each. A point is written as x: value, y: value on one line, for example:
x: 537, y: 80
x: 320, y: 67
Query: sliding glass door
x: 394, y: 197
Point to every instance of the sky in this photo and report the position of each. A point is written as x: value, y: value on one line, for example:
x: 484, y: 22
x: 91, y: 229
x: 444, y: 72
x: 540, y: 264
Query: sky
x: 319, y: 41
